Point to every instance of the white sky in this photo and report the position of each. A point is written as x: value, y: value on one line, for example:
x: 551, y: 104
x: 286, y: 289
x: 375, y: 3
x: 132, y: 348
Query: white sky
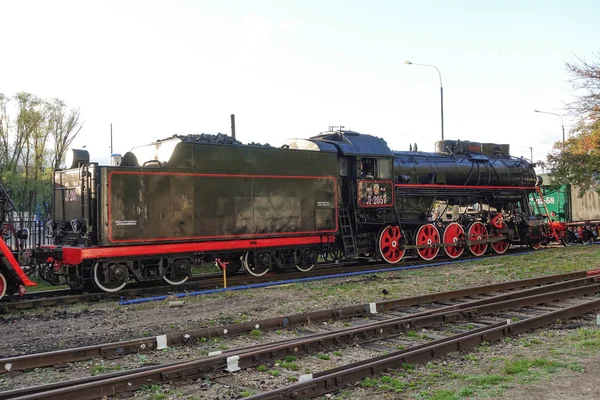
x: 292, y: 68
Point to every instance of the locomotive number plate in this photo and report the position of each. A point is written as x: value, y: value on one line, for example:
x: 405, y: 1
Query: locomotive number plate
x: 373, y: 193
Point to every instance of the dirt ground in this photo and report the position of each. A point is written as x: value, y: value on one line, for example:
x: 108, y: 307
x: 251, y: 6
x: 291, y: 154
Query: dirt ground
x: 85, y: 324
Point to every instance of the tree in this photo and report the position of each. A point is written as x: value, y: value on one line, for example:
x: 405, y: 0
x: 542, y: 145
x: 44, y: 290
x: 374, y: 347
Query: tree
x: 34, y: 137
x: 65, y: 126
x: 579, y: 163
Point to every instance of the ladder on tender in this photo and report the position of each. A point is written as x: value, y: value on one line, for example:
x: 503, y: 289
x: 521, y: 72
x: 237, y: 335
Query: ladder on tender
x: 347, y: 233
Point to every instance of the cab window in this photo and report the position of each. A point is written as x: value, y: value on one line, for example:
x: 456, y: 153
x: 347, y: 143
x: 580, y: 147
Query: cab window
x: 385, y: 168
x: 366, y: 168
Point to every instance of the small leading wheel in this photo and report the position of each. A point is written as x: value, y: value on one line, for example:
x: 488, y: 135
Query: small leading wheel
x: 428, y: 235
x: 250, y: 266
x: 452, y: 234
x: 2, y: 285
x: 102, y: 277
x: 477, y: 231
x: 536, y: 246
x: 502, y: 246
x: 389, y: 244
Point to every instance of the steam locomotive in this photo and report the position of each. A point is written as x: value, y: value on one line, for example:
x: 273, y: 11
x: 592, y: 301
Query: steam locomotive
x: 339, y: 195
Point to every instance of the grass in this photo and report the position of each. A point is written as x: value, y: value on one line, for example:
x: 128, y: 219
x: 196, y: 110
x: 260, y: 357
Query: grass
x: 43, y: 285
x: 103, y: 368
x: 485, y: 375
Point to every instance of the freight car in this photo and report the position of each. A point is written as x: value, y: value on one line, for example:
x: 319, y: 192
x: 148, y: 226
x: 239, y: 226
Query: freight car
x: 570, y: 217
x: 338, y: 195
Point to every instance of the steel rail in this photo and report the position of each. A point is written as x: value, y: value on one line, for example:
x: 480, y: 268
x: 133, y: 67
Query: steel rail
x: 97, y: 387
x: 335, y: 379
x: 141, y: 345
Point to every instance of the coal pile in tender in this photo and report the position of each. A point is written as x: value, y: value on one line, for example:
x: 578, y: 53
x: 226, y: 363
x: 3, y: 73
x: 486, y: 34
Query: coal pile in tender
x: 219, y: 138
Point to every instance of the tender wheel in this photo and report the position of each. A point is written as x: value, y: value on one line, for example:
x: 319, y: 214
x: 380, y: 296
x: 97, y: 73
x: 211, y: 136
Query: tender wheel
x: 308, y: 260
x: 2, y: 285
x: 452, y: 234
x: 428, y: 235
x: 500, y: 247
x: 389, y: 244
x: 179, y: 272
x: 250, y: 267
x: 477, y: 231
x: 102, y: 277
x: 304, y: 268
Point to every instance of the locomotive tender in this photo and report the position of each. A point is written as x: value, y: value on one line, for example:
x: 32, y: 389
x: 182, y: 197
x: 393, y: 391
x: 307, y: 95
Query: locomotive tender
x: 339, y: 195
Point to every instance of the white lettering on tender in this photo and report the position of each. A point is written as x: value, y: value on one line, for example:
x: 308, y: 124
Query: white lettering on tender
x: 126, y: 223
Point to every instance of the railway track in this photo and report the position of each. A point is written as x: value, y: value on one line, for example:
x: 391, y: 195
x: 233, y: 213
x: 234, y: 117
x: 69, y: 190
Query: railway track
x: 212, y: 281
x: 456, y: 320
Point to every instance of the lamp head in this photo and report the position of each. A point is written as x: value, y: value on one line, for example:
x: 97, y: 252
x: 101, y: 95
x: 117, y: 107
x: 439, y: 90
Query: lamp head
x: 407, y: 62
x: 536, y: 111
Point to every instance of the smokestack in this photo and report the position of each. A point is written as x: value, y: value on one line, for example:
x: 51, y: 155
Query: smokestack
x: 233, y: 126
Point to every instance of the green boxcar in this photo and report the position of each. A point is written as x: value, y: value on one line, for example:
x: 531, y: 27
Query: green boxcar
x: 565, y: 202
x: 557, y: 200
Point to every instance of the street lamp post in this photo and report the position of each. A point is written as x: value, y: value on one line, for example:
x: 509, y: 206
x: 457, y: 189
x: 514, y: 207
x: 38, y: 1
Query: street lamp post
x: 561, y: 122
x: 441, y: 90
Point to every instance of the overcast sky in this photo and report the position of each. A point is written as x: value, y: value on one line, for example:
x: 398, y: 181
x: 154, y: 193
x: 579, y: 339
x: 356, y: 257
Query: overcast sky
x: 292, y: 68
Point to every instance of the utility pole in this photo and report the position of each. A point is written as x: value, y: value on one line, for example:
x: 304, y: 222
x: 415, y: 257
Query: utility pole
x: 531, y: 149
x: 111, y: 142
x: 441, y: 89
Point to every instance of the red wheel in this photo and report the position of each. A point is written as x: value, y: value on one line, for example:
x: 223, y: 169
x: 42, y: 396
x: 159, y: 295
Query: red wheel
x: 2, y: 285
x: 500, y: 247
x: 428, y: 235
x: 536, y: 246
x: 389, y: 244
x: 453, y: 233
x: 477, y: 231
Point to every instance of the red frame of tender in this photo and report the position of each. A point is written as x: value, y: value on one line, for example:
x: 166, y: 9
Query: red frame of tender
x: 75, y: 255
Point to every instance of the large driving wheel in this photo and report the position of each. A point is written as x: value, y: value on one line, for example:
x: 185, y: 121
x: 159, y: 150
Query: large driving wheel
x: 428, y: 235
x: 502, y: 246
x: 389, y: 244
x: 102, y: 277
x: 477, y: 231
x: 452, y: 234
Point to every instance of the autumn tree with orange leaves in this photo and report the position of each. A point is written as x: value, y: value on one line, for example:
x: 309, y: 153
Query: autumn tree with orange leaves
x: 579, y: 163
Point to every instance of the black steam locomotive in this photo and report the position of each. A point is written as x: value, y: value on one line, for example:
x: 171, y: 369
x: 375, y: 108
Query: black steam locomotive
x: 338, y: 195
